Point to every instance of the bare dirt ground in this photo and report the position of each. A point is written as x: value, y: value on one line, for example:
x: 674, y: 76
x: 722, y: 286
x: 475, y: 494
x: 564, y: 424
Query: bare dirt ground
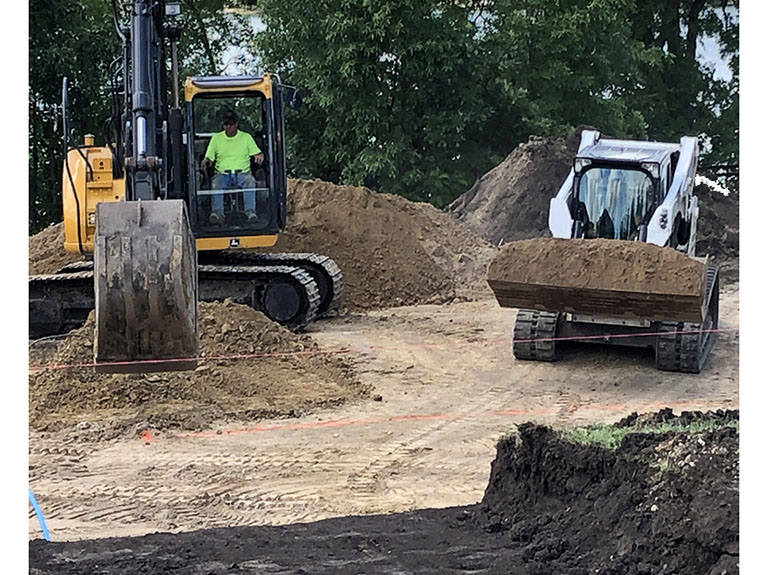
x: 445, y: 388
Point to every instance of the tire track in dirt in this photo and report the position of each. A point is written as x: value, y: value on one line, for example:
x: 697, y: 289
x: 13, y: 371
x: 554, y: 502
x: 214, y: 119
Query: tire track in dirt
x: 462, y: 397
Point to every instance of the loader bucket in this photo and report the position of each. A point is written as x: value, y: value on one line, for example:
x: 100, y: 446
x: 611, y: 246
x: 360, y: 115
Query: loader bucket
x: 599, y: 277
x: 145, y: 280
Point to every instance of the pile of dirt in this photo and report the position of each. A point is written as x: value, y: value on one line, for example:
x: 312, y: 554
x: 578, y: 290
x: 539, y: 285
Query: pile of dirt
x: 511, y: 202
x: 252, y: 368
x: 598, y: 277
x: 46, y: 251
x: 598, y: 264
x: 718, y: 224
x: 391, y: 251
x: 664, y: 501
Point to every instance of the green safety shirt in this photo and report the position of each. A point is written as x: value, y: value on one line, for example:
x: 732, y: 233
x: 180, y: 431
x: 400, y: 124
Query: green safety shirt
x: 232, y: 154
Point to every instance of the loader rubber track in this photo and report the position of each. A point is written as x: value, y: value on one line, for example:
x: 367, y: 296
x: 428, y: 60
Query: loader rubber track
x: 684, y: 346
x: 534, y: 335
x: 61, y: 301
x: 323, y: 270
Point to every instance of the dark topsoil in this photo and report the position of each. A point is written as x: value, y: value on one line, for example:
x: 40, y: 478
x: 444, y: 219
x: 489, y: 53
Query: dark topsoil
x: 660, y: 503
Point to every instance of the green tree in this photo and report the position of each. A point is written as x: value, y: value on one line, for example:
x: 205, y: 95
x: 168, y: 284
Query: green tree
x: 568, y: 62
x: 62, y: 43
x: 685, y: 96
x: 391, y: 91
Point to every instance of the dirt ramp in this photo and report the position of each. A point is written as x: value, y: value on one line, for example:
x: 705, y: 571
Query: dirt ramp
x: 665, y: 500
x: 284, y: 375
x: 391, y: 251
x: 511, y: 202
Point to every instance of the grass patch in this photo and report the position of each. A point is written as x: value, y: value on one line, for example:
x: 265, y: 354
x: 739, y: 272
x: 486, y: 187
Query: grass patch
x: 609, y: 436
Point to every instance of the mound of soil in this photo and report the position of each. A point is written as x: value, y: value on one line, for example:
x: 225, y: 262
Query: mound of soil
x: 663, y: 502
x: 282, y: 378
x: 511, y: 202
x: 46, y: 251
x: 598, y: 264
x: 718, y: 225
x: 391, y: 251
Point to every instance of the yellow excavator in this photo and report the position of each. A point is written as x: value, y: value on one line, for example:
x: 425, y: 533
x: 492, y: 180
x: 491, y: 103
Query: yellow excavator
x: 139, y: 211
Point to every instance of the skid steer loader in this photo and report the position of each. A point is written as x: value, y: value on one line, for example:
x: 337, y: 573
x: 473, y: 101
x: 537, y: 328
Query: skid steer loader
x: 139, y: 210
x: 621, y: 267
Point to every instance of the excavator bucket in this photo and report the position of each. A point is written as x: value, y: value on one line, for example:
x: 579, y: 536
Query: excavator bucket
x: 145, y: 279
x: 600, y: 277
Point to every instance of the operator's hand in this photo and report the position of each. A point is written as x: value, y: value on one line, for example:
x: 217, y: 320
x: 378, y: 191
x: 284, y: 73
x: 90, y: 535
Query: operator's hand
x: 206, y: 163
x: 258, y: 158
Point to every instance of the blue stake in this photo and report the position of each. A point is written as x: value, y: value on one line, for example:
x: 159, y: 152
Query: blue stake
x: 40, y: 518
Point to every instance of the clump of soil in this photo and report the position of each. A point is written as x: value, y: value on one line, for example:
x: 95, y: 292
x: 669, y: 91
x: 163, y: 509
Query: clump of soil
x: 511, y: 202
x: 46, y: 251
x: 391, y: 251
x: 662, y: 502
x: 286, y: 376
x: 598, y: 264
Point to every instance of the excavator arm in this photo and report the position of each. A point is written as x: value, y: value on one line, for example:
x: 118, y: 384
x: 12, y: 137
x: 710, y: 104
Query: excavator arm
x: 145, y: 260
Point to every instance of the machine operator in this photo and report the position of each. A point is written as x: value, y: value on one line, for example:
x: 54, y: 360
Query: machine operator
x: 230, y: 152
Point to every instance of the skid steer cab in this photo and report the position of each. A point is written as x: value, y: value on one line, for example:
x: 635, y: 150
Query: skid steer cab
x: 236, y: 158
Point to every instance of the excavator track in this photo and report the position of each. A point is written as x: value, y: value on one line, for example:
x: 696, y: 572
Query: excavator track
x: 322, y: 269
x: 285, y: 294
x: 534, y: 335
x: 684, y: 346
x: 61, y: 301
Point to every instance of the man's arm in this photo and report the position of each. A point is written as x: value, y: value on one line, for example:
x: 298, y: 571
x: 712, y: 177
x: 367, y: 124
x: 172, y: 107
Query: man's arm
x: 254, y: 152
x: 210, y: 152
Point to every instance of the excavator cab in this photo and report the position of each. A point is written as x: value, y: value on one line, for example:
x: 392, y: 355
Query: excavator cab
x: 245, y: 207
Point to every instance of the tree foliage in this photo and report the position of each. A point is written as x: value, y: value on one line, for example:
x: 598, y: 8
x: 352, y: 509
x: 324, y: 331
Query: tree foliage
x: 421, y: 97
x: 418, y: 97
